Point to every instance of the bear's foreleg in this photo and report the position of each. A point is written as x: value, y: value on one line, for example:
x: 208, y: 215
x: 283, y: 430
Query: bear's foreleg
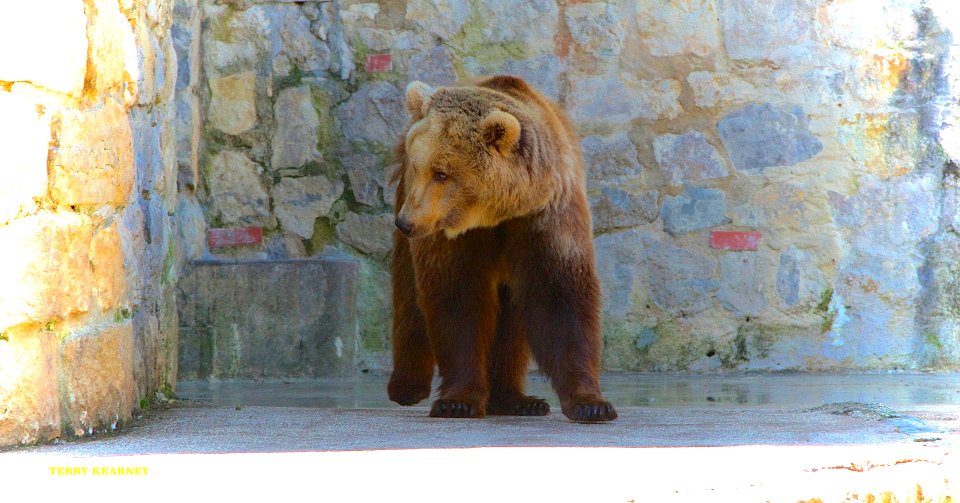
x: 458, y: 297
x: 413, y: 359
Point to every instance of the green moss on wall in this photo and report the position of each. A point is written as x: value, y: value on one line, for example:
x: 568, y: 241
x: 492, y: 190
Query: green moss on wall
x: 323, y: 103
x: 373, y: 308
x: 637, y: 346
x: 323, y: 236
x: 471, y: 42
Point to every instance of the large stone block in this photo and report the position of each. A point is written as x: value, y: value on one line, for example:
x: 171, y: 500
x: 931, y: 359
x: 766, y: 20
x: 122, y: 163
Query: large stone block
x: 597, y: 29
x: 889, y: 218
x: 719, y: 89
x: 185, y: 32
x: 298, y: 202
x: 741, y: 288
x: 616, y: 100
x: 106, y: 261
x: 191, y: 226
x: 680, y: 280
x: 435, y: 67
x: 185, y: 35
x: 374, y: 113
x: 236, y: 192
x: 233, y: 105
x: 678, y: 27
x: 695, y: 209
x: 886, y: 144
x: 374, y: 310
x: 882, y: 277
x: 638, y: 270
x: 95, y: 164
x: 610, y: 160
x: 937, y: 309
x: 234, y: 40
x: 620, y: 270
x: 359, y: 15
x: 156, y: 343
x: 440, y: 18
x: 379, y: 39
x: 154, y: 154
x: 760, y: 136
x: 113, y: 47
x: 530, y: 22
x: 688, y: 158
x: 45, y: 271
x: 97, y: 374
x: 372, y: 234
x: 799, y: 280
x: 295, y: 139
x: 148, y: 66
x: 542, y: 72
x: 870, y: 25
x: 293, y: 318
x: 365, y: 175
x: 789, y: 205
x: 187, y: 127
x: 29, y: 386
x: 24, y: 141
x: 44, y: 43
x: 291, y: 39
x: 617, y: 208
x: 773, y: 30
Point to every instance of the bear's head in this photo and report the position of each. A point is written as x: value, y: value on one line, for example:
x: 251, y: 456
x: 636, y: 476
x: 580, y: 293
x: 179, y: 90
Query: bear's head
x: 467, y: 163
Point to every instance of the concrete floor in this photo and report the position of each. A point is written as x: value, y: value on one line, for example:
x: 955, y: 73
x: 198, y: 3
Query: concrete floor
x: 783, y: 437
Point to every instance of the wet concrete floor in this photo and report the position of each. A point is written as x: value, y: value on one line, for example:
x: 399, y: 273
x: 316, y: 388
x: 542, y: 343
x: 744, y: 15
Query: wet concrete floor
x: 742, y: 437
x: 623, y: 389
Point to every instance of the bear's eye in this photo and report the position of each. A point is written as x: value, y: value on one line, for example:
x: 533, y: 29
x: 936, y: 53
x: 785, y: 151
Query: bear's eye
x: 439, y: 176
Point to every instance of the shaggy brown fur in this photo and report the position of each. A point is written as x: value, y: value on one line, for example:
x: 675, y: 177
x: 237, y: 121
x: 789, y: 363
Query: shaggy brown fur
x: 495, y: 259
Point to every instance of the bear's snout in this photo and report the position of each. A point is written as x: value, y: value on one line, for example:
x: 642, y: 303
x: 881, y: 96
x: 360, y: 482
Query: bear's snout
x: 404, y: 225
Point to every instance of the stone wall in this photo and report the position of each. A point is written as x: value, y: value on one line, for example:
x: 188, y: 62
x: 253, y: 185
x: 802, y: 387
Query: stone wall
x: 88, y: 329
x: 773, y: 183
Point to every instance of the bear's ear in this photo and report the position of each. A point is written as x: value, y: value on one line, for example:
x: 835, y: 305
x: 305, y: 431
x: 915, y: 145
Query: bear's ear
x: 418, y: 99
x: 500, y: 130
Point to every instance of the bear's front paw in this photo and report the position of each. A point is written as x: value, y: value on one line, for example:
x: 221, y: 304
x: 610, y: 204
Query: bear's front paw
x: 522, y: 405
x: 454, y: 408
x: 407, y: 391
x: 592, y: 411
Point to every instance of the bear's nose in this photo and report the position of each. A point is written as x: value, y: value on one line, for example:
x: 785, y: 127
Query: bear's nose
x: 404, y: 225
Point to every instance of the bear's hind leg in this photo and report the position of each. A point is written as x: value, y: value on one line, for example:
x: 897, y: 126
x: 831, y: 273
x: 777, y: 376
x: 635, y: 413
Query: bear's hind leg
x: 507, y: 367
x: 558, y: 298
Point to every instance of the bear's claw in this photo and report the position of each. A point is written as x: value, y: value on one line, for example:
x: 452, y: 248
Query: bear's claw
x: 592, y: 412
x: 453, y: 408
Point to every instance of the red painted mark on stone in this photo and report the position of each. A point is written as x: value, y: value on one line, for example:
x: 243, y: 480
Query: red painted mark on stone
x: 734, y: 240
x: 235, y: 236
x: 379, y: 63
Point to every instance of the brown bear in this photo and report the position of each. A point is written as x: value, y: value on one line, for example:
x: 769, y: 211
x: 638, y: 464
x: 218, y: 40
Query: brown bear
x: 493, y: 255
